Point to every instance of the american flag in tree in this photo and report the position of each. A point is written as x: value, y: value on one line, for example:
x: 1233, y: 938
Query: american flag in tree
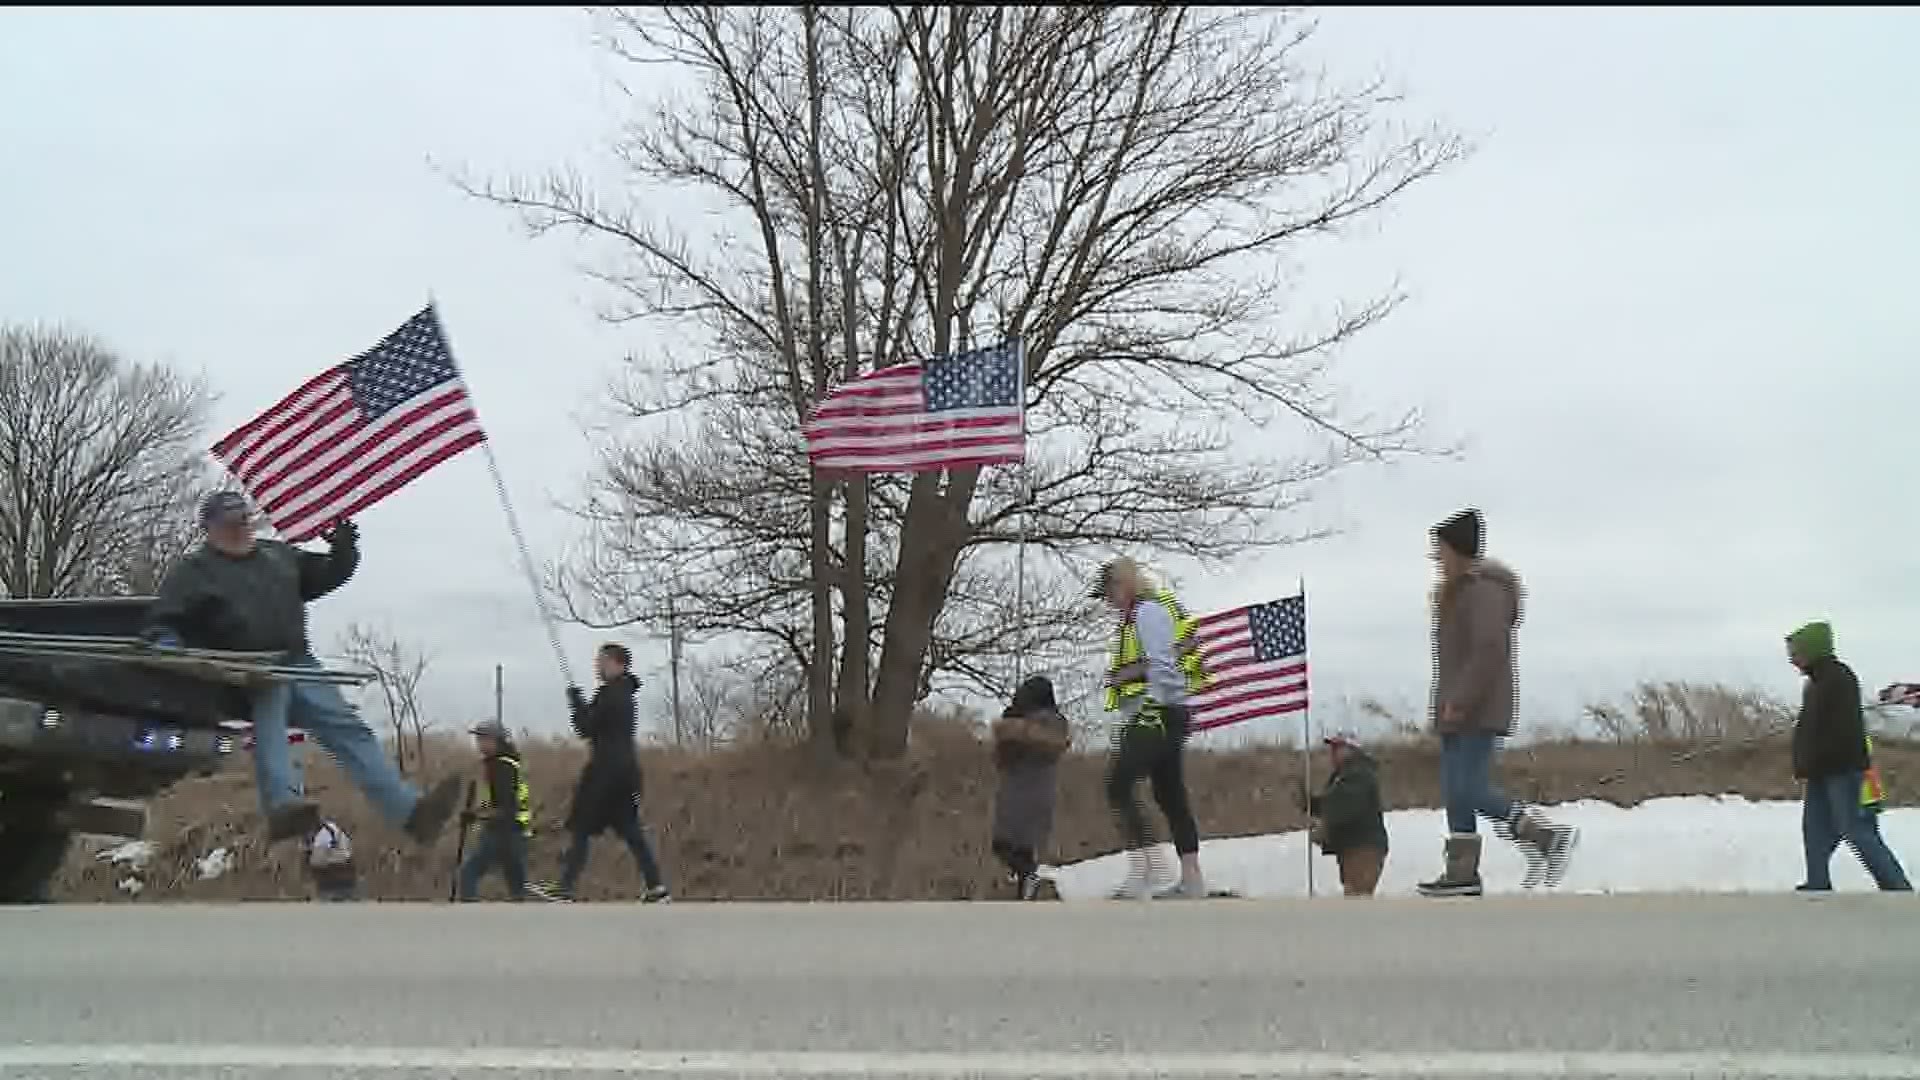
x: 355, y: 433
x: 953, y: 411
x: 1257, y: 656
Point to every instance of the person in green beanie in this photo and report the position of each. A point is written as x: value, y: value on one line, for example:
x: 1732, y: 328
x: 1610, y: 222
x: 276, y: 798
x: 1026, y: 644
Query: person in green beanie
x: 1831, y: 757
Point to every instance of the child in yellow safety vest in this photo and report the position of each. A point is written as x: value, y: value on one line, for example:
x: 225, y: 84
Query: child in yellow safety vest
x: 504, y: 816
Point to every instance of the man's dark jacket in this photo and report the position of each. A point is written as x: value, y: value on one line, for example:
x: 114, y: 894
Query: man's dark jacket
x: 609, y: 787
x: 1350, y: 809
x: 1830, y: 736
x: 255, y: 602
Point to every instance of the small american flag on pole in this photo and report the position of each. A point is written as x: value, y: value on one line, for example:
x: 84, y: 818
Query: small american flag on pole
x: 355, y: 433
x: 953, y: 411
x: 1257, y: 656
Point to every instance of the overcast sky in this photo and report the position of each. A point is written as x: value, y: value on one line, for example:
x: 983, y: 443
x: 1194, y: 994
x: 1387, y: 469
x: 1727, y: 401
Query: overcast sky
x: 1667, y: 304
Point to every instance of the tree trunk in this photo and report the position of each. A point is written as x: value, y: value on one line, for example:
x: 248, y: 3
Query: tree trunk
x: 930, y: 541
x: 820, y: 697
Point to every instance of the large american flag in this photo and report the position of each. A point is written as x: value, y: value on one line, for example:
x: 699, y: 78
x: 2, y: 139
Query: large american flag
x: 951, y: 412
x: 1257, y: 656
x: 355, y: 433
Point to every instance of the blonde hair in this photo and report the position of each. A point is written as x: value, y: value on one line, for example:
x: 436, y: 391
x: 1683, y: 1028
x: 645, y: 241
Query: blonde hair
x: 1124, y: 571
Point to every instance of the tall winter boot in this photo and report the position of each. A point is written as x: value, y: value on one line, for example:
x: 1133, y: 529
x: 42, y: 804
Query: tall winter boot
x: 1462, y: 875
x: 1548, y: 847
x: 1143, y: 865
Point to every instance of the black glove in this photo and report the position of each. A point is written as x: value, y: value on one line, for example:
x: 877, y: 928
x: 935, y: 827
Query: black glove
x: 344, y: 534
x: 576, y: 700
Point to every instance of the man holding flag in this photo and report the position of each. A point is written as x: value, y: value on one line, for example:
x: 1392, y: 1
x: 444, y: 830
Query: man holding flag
x: 347, y: 438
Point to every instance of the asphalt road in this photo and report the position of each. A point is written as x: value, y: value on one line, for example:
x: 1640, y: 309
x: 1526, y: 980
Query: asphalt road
x: 1567, y: 986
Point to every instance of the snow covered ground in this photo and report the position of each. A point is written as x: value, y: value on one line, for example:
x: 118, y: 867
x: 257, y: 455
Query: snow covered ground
x: 1695, y: 843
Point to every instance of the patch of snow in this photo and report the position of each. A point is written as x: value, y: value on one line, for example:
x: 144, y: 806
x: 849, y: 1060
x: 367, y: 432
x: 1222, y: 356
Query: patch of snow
x: 131, y: 886
x: 213, y: 864
x: 1694, y: 843
x: 134, y: 854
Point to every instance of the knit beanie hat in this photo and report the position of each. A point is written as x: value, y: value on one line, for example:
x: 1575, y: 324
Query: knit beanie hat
x: 1463, y: 532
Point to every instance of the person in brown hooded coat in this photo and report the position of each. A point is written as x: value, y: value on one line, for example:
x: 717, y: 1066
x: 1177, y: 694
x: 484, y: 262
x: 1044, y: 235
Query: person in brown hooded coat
x: 1475, y: 704
x: 1028, y: 741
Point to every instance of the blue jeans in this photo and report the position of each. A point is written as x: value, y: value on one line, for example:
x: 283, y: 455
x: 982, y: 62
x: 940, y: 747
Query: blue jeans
x: 493, y: 847
x: 336, y: 725
x: 630, y: 830
x: 1830, y: 812
x: 1466, y: 781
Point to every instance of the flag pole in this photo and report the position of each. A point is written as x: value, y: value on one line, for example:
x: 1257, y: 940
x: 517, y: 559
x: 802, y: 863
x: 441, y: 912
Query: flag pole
x: 513, y: 519
x: 1026, y: 512
x: 1306, y: 744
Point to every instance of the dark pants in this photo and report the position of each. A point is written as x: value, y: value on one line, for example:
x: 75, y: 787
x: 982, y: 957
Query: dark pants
x: 1153, y: 751
x: 628, y: 828
x: 1019, y: 859
x: 502, y: 848
x: 1830, y: 812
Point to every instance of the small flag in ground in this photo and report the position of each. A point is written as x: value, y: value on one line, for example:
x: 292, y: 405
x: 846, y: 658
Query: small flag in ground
x: 1257, y: 657
x: 356, y: 433
x: 954, y: 411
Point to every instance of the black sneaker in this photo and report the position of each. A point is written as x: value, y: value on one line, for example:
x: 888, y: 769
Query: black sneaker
x: 296, y: 819
x: 1027, y: 887
x: 656, y: 894
x: 431, y: 813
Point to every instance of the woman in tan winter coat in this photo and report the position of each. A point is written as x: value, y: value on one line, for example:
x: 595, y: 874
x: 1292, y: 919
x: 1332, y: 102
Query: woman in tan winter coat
x: 1028, y: 741
x: 1476, y: 680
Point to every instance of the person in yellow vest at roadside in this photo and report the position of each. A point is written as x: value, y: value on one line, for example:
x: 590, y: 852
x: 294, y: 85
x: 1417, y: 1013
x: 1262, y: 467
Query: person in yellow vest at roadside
x: 504, y: 815
x: 1153, y: 669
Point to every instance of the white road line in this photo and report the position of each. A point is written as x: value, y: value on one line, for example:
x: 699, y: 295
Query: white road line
x: 1437, y: 1065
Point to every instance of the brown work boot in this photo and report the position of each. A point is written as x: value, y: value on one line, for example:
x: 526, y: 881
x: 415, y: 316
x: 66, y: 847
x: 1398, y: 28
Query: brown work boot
x: 1462, y: 874
x: 431, y: 813
x: 295, y: 819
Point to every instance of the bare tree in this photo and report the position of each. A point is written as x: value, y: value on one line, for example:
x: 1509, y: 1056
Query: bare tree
x: 1126, y: 189
x: 398, y: 669
x: 102, y: 463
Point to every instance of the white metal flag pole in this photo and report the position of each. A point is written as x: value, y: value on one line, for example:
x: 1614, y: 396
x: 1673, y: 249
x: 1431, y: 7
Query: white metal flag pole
x: 513, y: 521
x: 1306, y: 741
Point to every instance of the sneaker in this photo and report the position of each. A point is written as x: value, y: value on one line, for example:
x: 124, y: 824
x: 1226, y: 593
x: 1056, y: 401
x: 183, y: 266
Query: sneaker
x: 549, y: 891
x: 296, y: 819
x: 1183, y: 890
x: 1027, y: 886
x: 656, y: 894
x: 431, y: 813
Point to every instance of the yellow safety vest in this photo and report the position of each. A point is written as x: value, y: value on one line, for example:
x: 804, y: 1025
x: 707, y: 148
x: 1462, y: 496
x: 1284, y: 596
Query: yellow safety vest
x: 522, y: 797
x: 1128, y: 657
x: 1872, y: 792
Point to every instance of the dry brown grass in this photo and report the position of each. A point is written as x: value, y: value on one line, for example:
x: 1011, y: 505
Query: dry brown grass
x: 765, y: 821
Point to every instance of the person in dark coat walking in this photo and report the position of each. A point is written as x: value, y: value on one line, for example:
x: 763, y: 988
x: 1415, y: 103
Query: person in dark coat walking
x: 1028, y: 740
x: 1349, y: 817
x: 1831, y: 756
x: 608, y: 793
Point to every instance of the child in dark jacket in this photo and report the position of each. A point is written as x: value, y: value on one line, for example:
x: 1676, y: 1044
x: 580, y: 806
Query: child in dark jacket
x: 504, y: 816
x: 1028, y: 741
x: 1350, y: 819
